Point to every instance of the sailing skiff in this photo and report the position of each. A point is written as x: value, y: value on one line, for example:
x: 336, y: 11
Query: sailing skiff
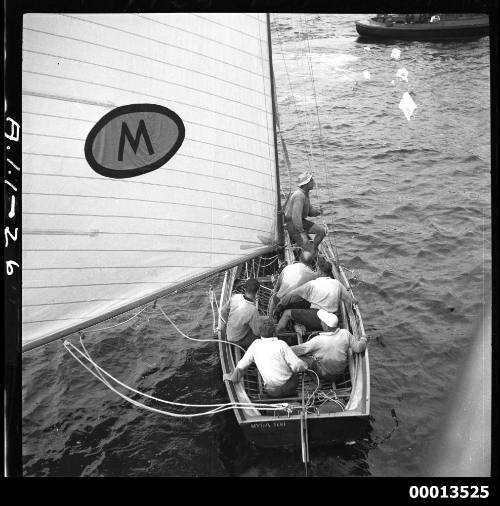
x: 334, y: 412
x: 149, y: 164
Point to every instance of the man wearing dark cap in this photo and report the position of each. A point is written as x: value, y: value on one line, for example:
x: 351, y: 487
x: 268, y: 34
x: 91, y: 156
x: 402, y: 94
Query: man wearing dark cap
x: 322, y: 293
x: 242, y: 316
x: 298, y: 209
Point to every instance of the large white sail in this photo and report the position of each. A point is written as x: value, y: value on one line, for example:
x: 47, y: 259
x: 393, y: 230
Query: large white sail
x: 93, y: 244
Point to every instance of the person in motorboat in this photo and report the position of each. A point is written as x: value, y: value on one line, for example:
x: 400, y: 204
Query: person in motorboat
x: 291, y: 277
x: 242, y: 316
x: 276, y: 362
x: 327, y: 353
x: 298, y: 209
x: 322, y: 293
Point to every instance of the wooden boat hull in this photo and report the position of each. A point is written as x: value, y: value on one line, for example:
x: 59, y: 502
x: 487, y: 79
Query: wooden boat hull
x: 282, y: 428
x: 321, y: 430
x: 452, y: 29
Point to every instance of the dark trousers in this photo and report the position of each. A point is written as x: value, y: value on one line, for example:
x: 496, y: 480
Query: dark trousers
x: 308, y: 317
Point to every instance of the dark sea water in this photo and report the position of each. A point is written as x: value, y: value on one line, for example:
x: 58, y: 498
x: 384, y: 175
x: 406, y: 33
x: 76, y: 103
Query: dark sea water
x: 409, y: 205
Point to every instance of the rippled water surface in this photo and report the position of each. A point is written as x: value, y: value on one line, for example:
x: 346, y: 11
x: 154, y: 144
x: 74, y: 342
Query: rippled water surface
x: 409, y: 203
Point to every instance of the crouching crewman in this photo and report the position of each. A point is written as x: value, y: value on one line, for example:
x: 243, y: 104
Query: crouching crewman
x: 274, y: 359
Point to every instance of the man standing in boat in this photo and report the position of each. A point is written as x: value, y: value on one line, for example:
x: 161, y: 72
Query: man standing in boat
x: 298, y: 209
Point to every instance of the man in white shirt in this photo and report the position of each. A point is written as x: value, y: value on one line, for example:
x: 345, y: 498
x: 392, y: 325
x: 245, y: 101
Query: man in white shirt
x: 242, y: 316
x: 276, y: 362
x: 327, y: 353
x: 291, y: 277
x: 322, y: 293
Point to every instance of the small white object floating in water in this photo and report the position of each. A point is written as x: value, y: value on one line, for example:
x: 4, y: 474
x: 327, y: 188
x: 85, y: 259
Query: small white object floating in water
x: 402, y: 74
x: 366, y: 74
x: 396, y: 53
x: 367, y: 48
x: 392, y: 82
x: 407, y: 105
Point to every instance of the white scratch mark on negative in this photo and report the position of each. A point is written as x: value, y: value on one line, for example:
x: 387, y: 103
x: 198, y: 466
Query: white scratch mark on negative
x: 396, y: 53
x: 366, y: 74
x: 402, y: 74
x: 407, y: 105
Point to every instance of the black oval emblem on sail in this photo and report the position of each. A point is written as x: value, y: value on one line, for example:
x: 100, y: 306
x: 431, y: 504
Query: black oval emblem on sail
x: 133, y: 139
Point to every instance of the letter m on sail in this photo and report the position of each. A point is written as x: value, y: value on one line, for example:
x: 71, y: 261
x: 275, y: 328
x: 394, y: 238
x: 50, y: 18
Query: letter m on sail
x: 134, y: 141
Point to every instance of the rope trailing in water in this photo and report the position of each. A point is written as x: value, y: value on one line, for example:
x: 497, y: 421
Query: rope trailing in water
x: 217, y: 408
x: 199, y: 340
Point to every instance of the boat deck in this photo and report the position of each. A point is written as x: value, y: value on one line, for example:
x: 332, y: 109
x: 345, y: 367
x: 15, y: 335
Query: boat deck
x: 316, y: 395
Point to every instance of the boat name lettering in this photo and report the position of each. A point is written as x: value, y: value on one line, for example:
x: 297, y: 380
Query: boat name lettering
x: 133, y: 139
x: 267, y: 425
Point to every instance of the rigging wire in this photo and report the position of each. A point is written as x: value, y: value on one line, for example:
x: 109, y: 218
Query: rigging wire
x: 305, y: 54
x: 194, y: 338
x: 282, y: 52
x: 217, y: 407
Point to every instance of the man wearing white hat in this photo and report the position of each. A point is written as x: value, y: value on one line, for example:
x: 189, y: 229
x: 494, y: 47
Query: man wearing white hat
x: 327, y: 353
x: 298, y: 209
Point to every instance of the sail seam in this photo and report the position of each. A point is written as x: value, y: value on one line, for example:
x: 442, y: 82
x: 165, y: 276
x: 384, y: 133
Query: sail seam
x: 204, y: 37
x: 107, y: 105
x: 199, y: 174
x: 92, y: 121
x: 145, y: 218
x: 52, y: 136
x: 101, y: 232
x: 213, y: 111
x: 90, y: 267
x: 226, y: 26
x: 67, y: 250
x: 177, y: 155
x: 145, y: 57
x: 160, y: 201
x: 101, y: 284
x: 183, y: 85
x: 164, y: 44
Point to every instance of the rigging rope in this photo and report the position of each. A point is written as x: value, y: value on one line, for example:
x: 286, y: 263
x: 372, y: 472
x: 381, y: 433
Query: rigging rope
x: 195, y: 339
x: 305, y: 53
x: 217, y: 407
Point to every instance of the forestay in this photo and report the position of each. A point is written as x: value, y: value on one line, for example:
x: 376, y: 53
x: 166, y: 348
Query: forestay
x: 94, y: 245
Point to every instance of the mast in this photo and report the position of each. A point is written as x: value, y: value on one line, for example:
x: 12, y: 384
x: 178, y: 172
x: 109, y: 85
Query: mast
x: 279, y: 212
